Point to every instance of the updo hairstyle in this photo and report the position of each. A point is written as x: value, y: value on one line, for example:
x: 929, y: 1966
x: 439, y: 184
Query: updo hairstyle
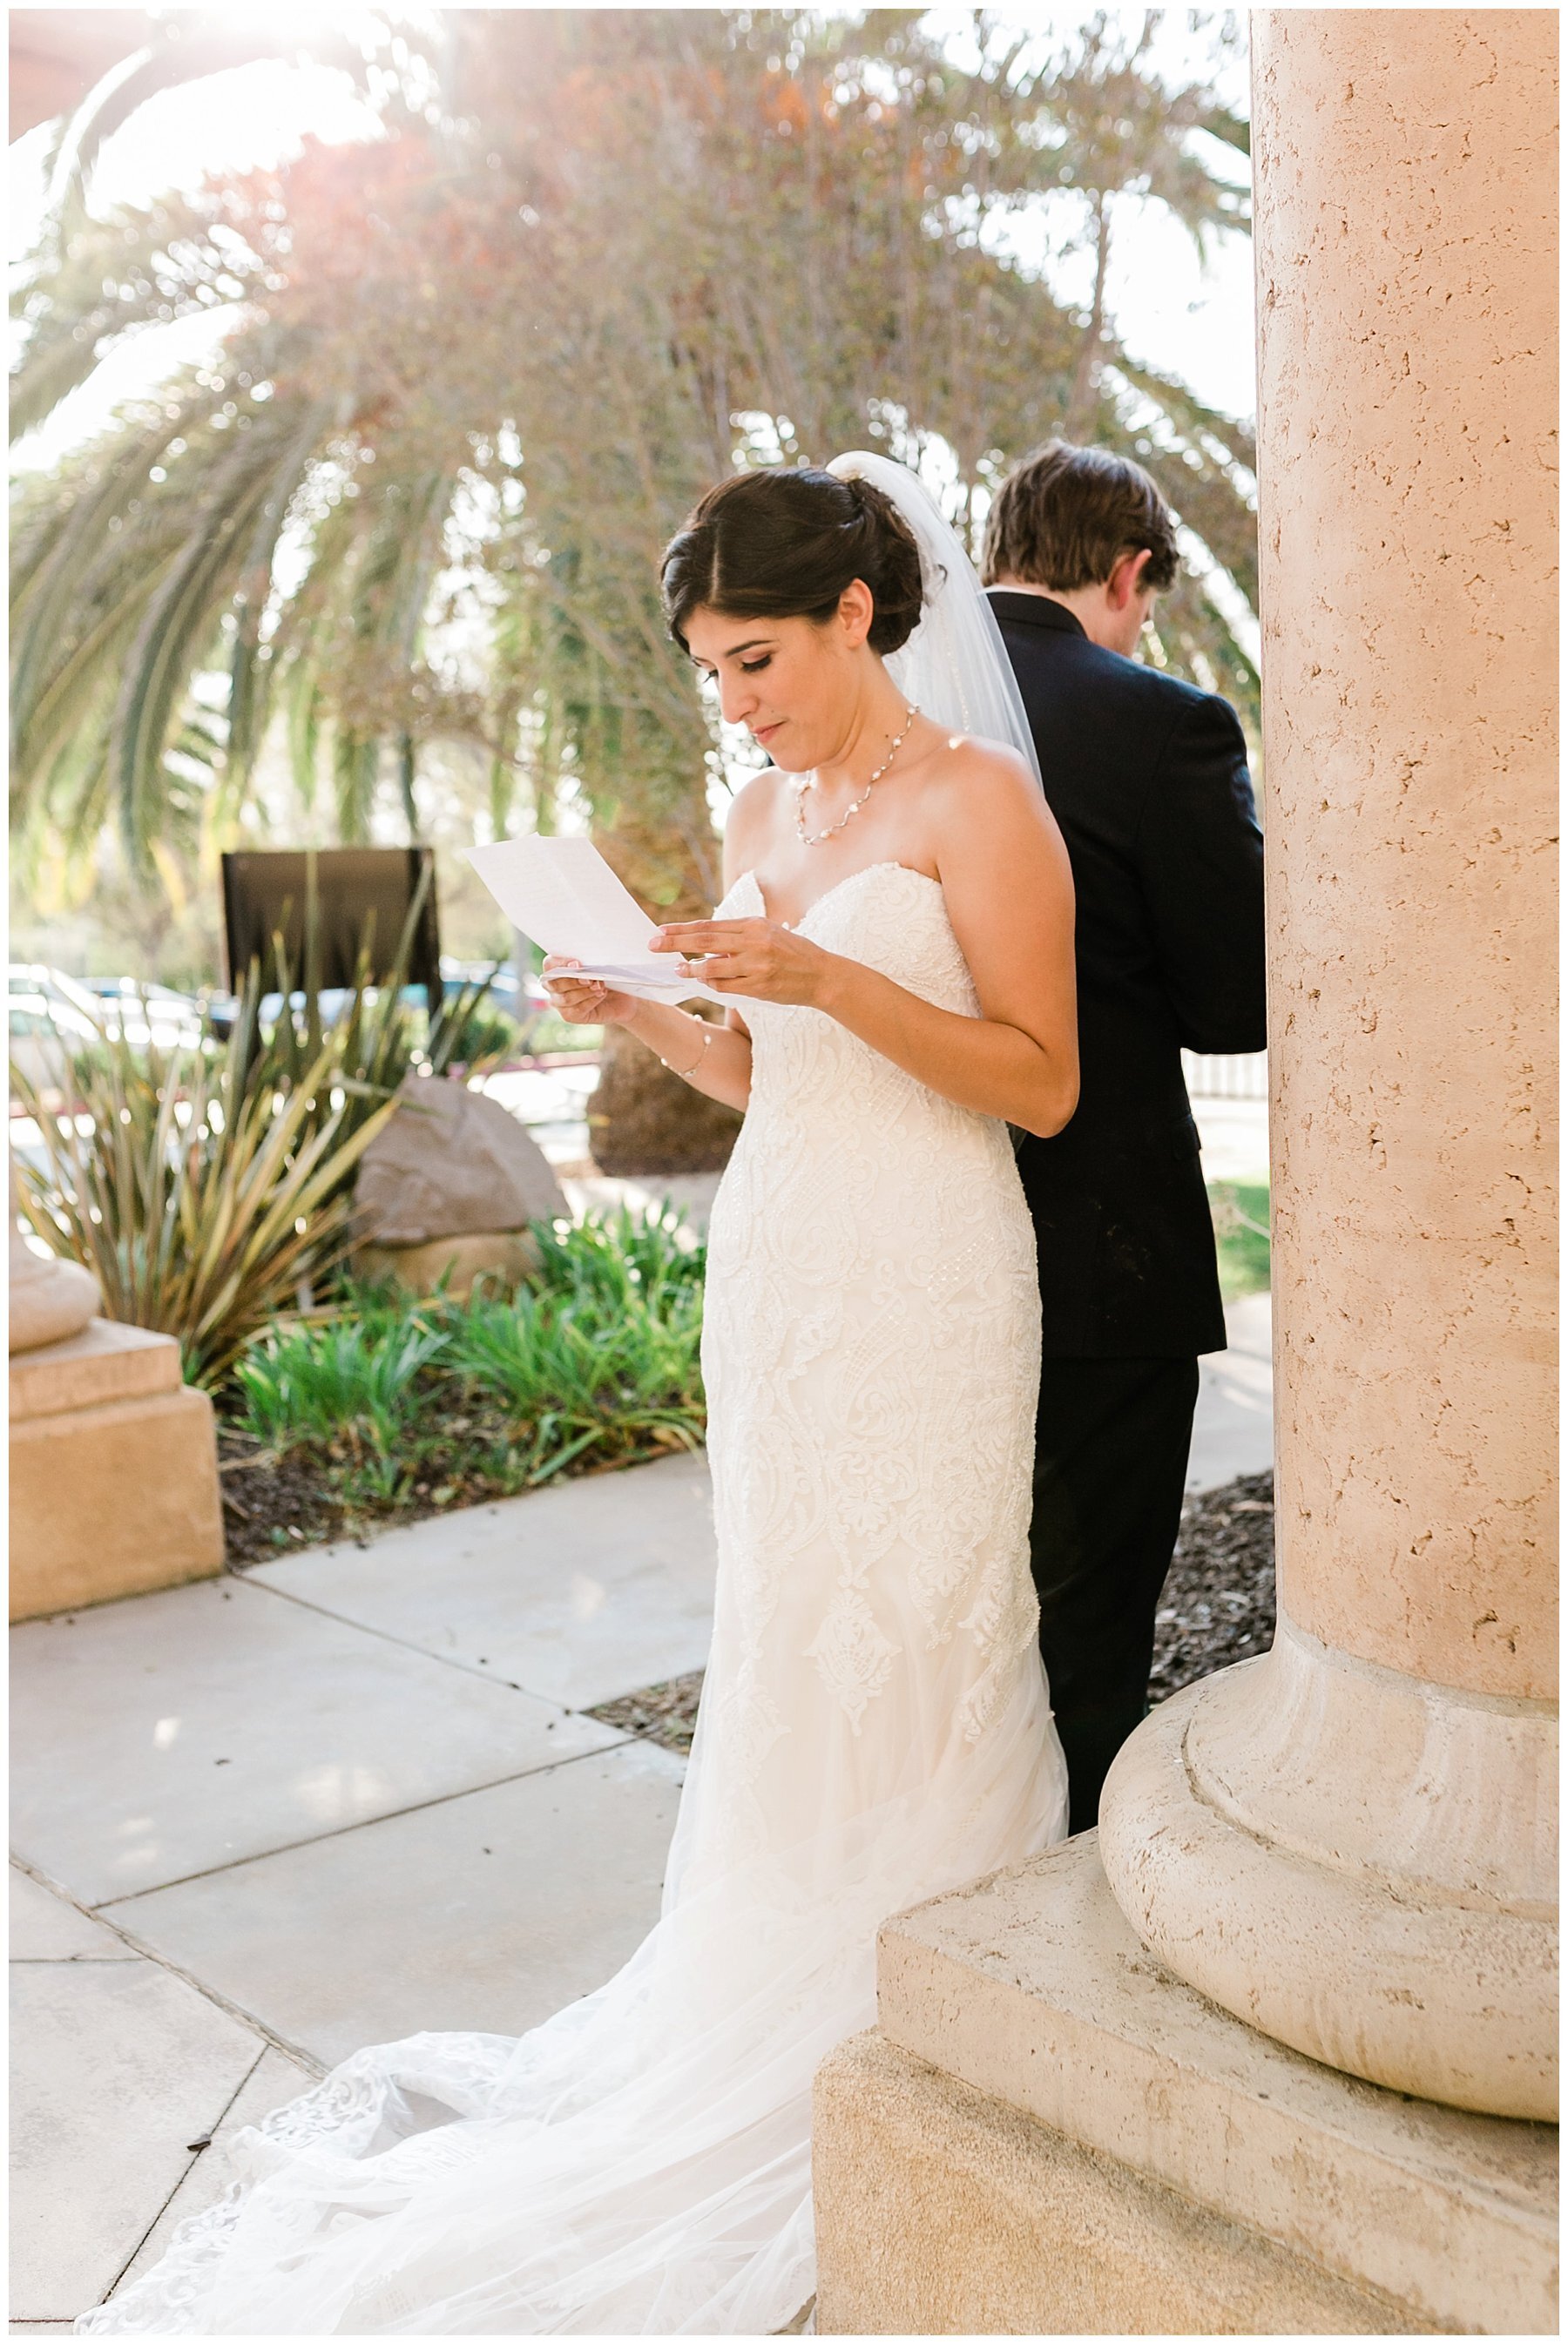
x: 785, y: 544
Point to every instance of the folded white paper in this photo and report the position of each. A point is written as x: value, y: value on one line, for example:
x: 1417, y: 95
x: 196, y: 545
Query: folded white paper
x: 565, y: 898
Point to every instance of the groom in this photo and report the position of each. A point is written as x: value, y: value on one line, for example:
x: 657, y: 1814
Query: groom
x: 1147, y: 778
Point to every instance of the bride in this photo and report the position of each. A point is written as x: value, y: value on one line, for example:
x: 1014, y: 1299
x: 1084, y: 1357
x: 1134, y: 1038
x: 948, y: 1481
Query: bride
x: 896, y: 942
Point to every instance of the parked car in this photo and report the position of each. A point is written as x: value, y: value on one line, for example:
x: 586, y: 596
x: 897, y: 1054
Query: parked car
x: 51, y: 1016
x: 332, y: 1002
x: 54, y: 1016
x: 147, y: 1013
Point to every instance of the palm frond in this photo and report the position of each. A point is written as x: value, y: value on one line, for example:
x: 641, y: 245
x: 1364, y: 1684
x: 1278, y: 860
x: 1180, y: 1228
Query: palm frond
x: 97, y: 280
x: 187, y: 47
x: 620, y: 234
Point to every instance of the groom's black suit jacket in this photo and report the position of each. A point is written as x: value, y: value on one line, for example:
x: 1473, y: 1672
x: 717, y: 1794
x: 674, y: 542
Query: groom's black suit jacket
x: 1147, y: 778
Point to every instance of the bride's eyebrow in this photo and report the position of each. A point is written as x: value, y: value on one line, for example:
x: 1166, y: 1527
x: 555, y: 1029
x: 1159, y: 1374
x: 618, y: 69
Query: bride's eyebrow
x: 752, y: 644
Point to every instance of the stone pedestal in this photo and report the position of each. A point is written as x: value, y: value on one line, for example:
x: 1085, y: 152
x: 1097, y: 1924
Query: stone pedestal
x: 114, y: 1471
x: 1050, y: 2134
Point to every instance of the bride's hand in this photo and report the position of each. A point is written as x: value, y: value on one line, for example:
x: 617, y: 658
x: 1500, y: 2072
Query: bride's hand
x: 756, y: 959
x: 583, y: 1001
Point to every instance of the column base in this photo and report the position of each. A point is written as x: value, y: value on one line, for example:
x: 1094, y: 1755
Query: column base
x: 1050, y: 2134
x: 114, y: 1473
x: 1357, y: 1862
x: 944, y: 2213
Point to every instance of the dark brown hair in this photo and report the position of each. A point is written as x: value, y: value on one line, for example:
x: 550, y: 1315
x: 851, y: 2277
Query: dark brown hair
x: 785, y: 544
x: 1064, y: 516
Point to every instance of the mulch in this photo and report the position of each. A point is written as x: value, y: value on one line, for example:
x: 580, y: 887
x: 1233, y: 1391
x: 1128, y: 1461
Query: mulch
x: 1217, y: 1607
x: 278, y: 1505
x: 275, y: 1505
x: 665, y: 1713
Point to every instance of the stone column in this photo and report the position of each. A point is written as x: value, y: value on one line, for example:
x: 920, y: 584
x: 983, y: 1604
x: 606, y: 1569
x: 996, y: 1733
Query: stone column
x: 1351, y: 1844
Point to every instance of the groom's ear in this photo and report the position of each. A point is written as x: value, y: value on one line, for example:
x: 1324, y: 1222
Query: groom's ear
x: 1126, y: 577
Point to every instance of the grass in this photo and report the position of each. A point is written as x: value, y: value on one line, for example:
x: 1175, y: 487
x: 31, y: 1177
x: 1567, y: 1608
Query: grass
x: 403, y: 1403
x: 1240, y: 1210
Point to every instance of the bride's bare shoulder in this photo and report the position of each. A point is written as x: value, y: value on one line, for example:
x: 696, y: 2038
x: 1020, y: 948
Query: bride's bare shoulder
x: 754, y: 811
x: 987, y: 805
x: 971, y: 768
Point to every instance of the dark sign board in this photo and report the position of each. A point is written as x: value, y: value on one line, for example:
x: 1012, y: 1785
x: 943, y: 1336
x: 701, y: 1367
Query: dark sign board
x: 362, y: 894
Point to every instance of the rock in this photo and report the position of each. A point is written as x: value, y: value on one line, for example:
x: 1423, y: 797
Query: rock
x: 450, y: 1163
x: 508, y: 1255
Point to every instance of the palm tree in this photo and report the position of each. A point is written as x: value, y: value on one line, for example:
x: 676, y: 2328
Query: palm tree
x: 593, y: 261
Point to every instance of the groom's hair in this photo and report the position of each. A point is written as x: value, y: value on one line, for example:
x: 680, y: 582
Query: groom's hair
x: 1064, y: 516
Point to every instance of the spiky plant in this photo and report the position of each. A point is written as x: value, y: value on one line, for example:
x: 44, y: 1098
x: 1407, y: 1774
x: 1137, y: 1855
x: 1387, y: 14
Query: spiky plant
x: 211, y: 1188
x: 200, y: 1197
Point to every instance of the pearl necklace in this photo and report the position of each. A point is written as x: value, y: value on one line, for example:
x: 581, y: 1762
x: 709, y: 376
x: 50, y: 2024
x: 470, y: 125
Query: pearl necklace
x: 808, y: 781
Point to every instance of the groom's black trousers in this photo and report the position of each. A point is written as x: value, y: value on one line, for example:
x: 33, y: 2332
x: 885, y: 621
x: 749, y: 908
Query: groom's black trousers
x: 1110, y: 1464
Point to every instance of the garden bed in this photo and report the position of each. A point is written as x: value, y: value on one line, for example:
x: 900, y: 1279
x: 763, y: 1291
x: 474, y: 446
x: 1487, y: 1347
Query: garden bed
x: 389, y: 1409
x: 275, y: 1504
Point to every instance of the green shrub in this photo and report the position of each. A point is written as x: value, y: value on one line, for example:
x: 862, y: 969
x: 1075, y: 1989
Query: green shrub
x: 472, y: 1030
x: 622, y: 1257
x: 595, y: 1361
x: 1240, y: 1212
x: 311, y: 1382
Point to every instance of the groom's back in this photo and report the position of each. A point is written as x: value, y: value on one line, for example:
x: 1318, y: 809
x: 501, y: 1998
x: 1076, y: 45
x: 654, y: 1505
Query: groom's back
x: 1147, y: 778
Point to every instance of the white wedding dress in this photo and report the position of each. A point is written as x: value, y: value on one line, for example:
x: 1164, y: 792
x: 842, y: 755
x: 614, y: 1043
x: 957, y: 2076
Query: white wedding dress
x: 875, y: 1728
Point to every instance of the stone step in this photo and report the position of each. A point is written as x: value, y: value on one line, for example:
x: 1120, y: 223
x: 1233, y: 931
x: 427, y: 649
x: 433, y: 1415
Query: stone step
x: 1031, y: 1988
x: 106, y: 1361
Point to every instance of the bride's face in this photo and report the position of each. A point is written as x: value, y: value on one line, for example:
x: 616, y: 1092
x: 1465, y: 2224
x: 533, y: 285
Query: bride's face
x: 794, y: 683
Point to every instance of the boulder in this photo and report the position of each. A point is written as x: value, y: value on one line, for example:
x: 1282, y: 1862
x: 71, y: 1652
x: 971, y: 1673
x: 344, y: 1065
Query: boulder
x: 508, y: 1256
x: 450, y: 1163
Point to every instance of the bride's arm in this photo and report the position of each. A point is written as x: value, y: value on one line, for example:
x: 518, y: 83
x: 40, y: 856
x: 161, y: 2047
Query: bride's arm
x: 715, y: 1059
x: 1009, y: 894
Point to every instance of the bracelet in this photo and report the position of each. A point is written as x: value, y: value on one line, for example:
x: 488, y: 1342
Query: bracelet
x: 685, y: 1072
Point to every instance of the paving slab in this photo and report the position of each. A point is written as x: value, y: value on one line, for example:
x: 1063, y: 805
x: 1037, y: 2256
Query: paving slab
x: 172, y: 1733
x: 1233, y: 1430
x: 124, y: 2066
x: 577, y: 1593
x: 46, y: 1927
x: 487, y: 1912
x: 276, y: 2078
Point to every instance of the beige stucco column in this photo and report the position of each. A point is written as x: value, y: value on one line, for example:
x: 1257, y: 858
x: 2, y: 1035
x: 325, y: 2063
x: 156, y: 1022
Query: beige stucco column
x: 1351, y: 1844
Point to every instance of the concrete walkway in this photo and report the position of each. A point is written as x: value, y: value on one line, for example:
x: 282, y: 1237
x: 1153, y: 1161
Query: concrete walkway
x: 341, y: 1798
